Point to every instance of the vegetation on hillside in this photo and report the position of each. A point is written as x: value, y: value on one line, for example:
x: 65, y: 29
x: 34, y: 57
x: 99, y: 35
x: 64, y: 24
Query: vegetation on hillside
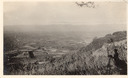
x: 90, y: 60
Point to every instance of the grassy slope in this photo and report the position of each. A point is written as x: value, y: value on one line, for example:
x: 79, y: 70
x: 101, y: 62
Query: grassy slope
x: 90, y: 60
x: 87, y: 61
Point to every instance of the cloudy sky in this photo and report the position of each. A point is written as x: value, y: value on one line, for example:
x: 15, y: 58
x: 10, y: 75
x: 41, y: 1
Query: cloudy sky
x: 110, y: 14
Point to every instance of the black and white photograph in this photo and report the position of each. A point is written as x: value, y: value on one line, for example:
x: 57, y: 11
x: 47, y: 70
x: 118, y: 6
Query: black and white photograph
x: 65, y: 38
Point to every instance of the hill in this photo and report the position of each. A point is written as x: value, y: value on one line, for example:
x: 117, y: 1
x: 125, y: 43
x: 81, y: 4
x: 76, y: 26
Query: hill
x: 90, y: 60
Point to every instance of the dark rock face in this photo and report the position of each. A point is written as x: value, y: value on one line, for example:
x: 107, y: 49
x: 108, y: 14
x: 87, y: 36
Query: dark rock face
x: 120, y: 63
x: 31, y: 55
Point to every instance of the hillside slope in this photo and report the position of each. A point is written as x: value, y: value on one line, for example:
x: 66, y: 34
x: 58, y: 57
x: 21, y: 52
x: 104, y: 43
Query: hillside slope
x: 91, y: 60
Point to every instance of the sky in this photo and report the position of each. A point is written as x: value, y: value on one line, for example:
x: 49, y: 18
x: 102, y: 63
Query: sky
x: 105, y: 15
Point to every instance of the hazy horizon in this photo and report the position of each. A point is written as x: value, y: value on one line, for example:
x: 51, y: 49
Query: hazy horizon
x: 106, y: 17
